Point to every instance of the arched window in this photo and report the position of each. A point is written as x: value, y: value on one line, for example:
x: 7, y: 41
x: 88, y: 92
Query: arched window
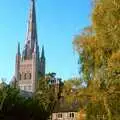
x: 23, y: 76
x: 30, y: 75
x: 20, y: 76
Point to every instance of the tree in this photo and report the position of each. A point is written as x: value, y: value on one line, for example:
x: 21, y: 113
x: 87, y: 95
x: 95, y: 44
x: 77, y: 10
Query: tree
x: 98, y: 47
x: 71, y: 100
x: 85, y: 44
x: 46, y: 94
x: 16, y: 107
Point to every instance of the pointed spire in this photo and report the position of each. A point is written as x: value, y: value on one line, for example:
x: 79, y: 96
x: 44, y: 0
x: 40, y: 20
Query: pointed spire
x: 32, y: 30
x: 43, y: 53
x: 18, y: 51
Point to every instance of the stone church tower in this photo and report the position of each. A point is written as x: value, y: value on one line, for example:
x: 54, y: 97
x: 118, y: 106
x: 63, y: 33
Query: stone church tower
x: 29, y: 65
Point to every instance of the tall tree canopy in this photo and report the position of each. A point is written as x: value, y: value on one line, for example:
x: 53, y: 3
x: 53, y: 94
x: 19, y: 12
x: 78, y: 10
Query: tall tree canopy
x: 99, y: 50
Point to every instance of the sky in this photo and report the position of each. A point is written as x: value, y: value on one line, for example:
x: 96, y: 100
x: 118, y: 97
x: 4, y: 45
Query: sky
x: 58, y: 22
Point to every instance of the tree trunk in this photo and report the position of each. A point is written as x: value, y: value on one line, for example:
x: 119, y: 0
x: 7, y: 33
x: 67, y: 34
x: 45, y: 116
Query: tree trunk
x: 107, y: 108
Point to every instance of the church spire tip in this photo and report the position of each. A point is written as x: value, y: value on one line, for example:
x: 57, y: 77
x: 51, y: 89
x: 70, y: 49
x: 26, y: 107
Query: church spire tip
x: 32, y: 29
x: 43, y: 52
x: 18, y: 52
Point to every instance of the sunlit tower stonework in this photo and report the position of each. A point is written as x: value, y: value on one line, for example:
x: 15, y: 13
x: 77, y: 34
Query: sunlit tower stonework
x: 29, y: 64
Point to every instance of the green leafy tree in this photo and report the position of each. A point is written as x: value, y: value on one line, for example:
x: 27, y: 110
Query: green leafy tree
x: 15, y: 107
x: 98, y: 47
x: 46, y: 93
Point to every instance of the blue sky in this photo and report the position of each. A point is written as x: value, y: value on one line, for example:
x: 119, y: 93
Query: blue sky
x: 58, y: 21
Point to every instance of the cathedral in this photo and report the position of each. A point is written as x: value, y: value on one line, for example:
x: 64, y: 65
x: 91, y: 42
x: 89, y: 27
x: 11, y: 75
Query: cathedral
x: 30, y: 65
